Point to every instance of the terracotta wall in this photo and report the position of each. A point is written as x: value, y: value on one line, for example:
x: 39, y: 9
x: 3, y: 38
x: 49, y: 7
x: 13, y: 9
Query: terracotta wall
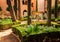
x: 41, y: 5
x: 3, y: 4
x: 23, y: 7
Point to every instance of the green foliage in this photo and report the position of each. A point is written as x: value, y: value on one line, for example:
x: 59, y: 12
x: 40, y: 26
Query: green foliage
x: 58, y: 19
x: 5, y: 21
x: 35, y: 29
x: 21, y: 29
x: 29, y: 29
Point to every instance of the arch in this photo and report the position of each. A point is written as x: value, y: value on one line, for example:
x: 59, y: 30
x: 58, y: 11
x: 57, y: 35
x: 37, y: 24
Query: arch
x: 25, y: 13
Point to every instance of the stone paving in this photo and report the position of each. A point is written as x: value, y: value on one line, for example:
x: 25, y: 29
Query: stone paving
x: 8, y: 37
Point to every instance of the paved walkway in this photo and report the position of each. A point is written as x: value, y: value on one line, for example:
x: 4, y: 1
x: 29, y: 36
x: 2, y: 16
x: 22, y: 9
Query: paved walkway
x: 8, y: 36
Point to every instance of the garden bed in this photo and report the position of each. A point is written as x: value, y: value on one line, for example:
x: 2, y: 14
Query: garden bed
x: 33, y: 33
x: 5, y: 23
x: 37, y: 33
x: 44, y: 37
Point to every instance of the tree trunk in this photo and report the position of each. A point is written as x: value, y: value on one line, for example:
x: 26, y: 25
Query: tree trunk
x: 56, y: 8
x: 37, y: 5
x: 29, y: 12
x: 11, y: 10
x: 19, y: 10
x: 15, y: 7
x: 49, y: 12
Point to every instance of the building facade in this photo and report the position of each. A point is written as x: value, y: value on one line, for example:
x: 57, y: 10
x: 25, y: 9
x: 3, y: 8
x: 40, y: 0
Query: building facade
x: 42, y: 5
x: 23, y: 5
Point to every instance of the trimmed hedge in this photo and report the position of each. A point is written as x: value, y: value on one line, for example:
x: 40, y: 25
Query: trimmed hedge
x: 35, y: 29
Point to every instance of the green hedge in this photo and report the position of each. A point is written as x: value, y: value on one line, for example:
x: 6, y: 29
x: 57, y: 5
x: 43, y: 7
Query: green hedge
x: 35, y: 29
x: 5, y: 21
